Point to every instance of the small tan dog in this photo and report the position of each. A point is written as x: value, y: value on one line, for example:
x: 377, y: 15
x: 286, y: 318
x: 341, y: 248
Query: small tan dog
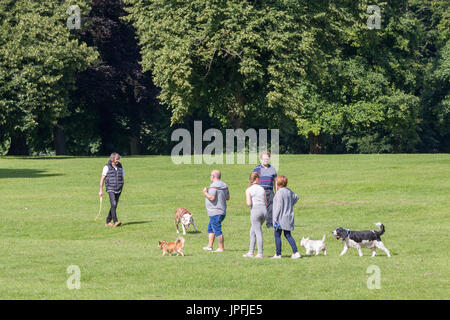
x: 172, y: 247
x: 184, y: 216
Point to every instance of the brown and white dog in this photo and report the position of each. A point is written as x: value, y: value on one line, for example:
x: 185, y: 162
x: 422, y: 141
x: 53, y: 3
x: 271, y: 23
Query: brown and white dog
x: 171, y: 247
x: 185, y: 217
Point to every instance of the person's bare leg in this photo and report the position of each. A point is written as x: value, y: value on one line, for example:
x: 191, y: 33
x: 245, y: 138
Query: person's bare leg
x: 221, y: 242
x: 211, y: 238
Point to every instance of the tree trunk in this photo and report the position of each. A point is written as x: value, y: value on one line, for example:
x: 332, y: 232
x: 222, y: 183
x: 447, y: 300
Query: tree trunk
x: 237, y: 114
x: 315, y: 146
x: 59, y: 139
x: 135, y: 148
x: 106, y: 130
x: 18, y: 145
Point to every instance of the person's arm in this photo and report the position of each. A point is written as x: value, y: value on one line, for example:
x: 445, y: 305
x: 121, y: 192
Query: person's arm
x: 207, y: 195
x: 102, y: 180
x: 295, y: 199
x: 276, y: 208
x: 228, y: 195
x: 248, y: 198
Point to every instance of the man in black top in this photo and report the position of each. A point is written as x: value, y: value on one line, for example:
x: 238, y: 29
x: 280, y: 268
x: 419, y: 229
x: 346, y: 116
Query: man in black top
x: 113, y: 175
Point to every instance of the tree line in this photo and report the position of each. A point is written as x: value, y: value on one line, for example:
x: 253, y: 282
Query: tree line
x: 136, y: 70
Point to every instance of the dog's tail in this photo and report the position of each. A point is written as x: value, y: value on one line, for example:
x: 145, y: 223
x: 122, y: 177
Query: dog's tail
x: 381, y: 226
x: 323, y: 238
x: 180, y: 240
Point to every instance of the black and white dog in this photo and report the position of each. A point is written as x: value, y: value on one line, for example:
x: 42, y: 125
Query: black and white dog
x: 361, y: 239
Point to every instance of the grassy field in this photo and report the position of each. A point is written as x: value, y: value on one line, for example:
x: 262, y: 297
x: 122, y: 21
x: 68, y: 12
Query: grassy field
x: 48, y: 206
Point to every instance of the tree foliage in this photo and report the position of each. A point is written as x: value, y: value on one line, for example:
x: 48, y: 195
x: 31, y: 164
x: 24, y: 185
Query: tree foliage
x: 230, y: 57
x: 316, y: 62
x: 38, y: 59
x: 115, y: 102
x: 138, y: 69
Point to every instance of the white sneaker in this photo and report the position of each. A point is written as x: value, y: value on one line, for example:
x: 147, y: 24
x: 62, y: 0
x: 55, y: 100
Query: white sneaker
x: 207, y: 248
x: 218, y: 250
x: 276, y: 257
x: 259, y: 256
x: 296, y: 255
x: 248, y: 255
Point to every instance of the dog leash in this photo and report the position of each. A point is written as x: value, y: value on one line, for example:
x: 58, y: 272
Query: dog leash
x: 99, y: 210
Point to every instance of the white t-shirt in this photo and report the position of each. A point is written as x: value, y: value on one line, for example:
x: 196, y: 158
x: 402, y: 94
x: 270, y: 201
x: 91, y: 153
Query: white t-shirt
x: 106, y: 169
x: 258, y: 195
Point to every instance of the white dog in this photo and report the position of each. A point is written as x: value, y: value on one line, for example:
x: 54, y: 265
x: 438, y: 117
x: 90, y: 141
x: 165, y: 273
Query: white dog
x: 314, y: 245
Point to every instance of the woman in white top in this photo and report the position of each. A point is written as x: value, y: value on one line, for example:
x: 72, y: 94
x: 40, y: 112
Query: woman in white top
x: 256, y: 198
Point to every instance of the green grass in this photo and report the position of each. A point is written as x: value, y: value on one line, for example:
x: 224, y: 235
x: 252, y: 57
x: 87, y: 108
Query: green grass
x: 48, y: 206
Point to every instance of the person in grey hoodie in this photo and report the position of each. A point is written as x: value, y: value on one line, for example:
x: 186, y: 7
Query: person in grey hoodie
x: 283, y: 216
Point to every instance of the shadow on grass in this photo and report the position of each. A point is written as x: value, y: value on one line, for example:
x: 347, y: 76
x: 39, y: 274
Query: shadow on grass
x: 25, y: 173
x: 193, y: 231
x: 308, y: 256
x: 134, y: 222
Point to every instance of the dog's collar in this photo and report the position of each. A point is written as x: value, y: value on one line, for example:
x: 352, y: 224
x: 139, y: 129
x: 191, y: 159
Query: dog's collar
x: 346, y: 234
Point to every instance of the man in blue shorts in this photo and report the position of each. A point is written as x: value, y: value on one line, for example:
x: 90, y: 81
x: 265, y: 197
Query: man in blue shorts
x: 216, y: 197
x: 267, y: 175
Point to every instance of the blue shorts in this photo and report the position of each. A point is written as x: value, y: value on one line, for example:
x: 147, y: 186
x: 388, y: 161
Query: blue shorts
x: 215, y: 224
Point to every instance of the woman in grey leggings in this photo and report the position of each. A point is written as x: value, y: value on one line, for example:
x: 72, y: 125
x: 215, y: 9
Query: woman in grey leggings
x: 256, y: 198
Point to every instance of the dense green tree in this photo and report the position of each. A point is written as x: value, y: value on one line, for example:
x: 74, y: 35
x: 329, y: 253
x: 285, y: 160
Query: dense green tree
x: 316, y: 62
x: 115, y: 103
x: 228, y: 57
x: 435, y: 98
x: 317, y: 70
x: 366, y: 82
x: 39, y: 56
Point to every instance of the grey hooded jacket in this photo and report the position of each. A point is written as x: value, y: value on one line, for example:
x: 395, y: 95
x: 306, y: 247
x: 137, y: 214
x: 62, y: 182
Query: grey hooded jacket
x: 283, y: 208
